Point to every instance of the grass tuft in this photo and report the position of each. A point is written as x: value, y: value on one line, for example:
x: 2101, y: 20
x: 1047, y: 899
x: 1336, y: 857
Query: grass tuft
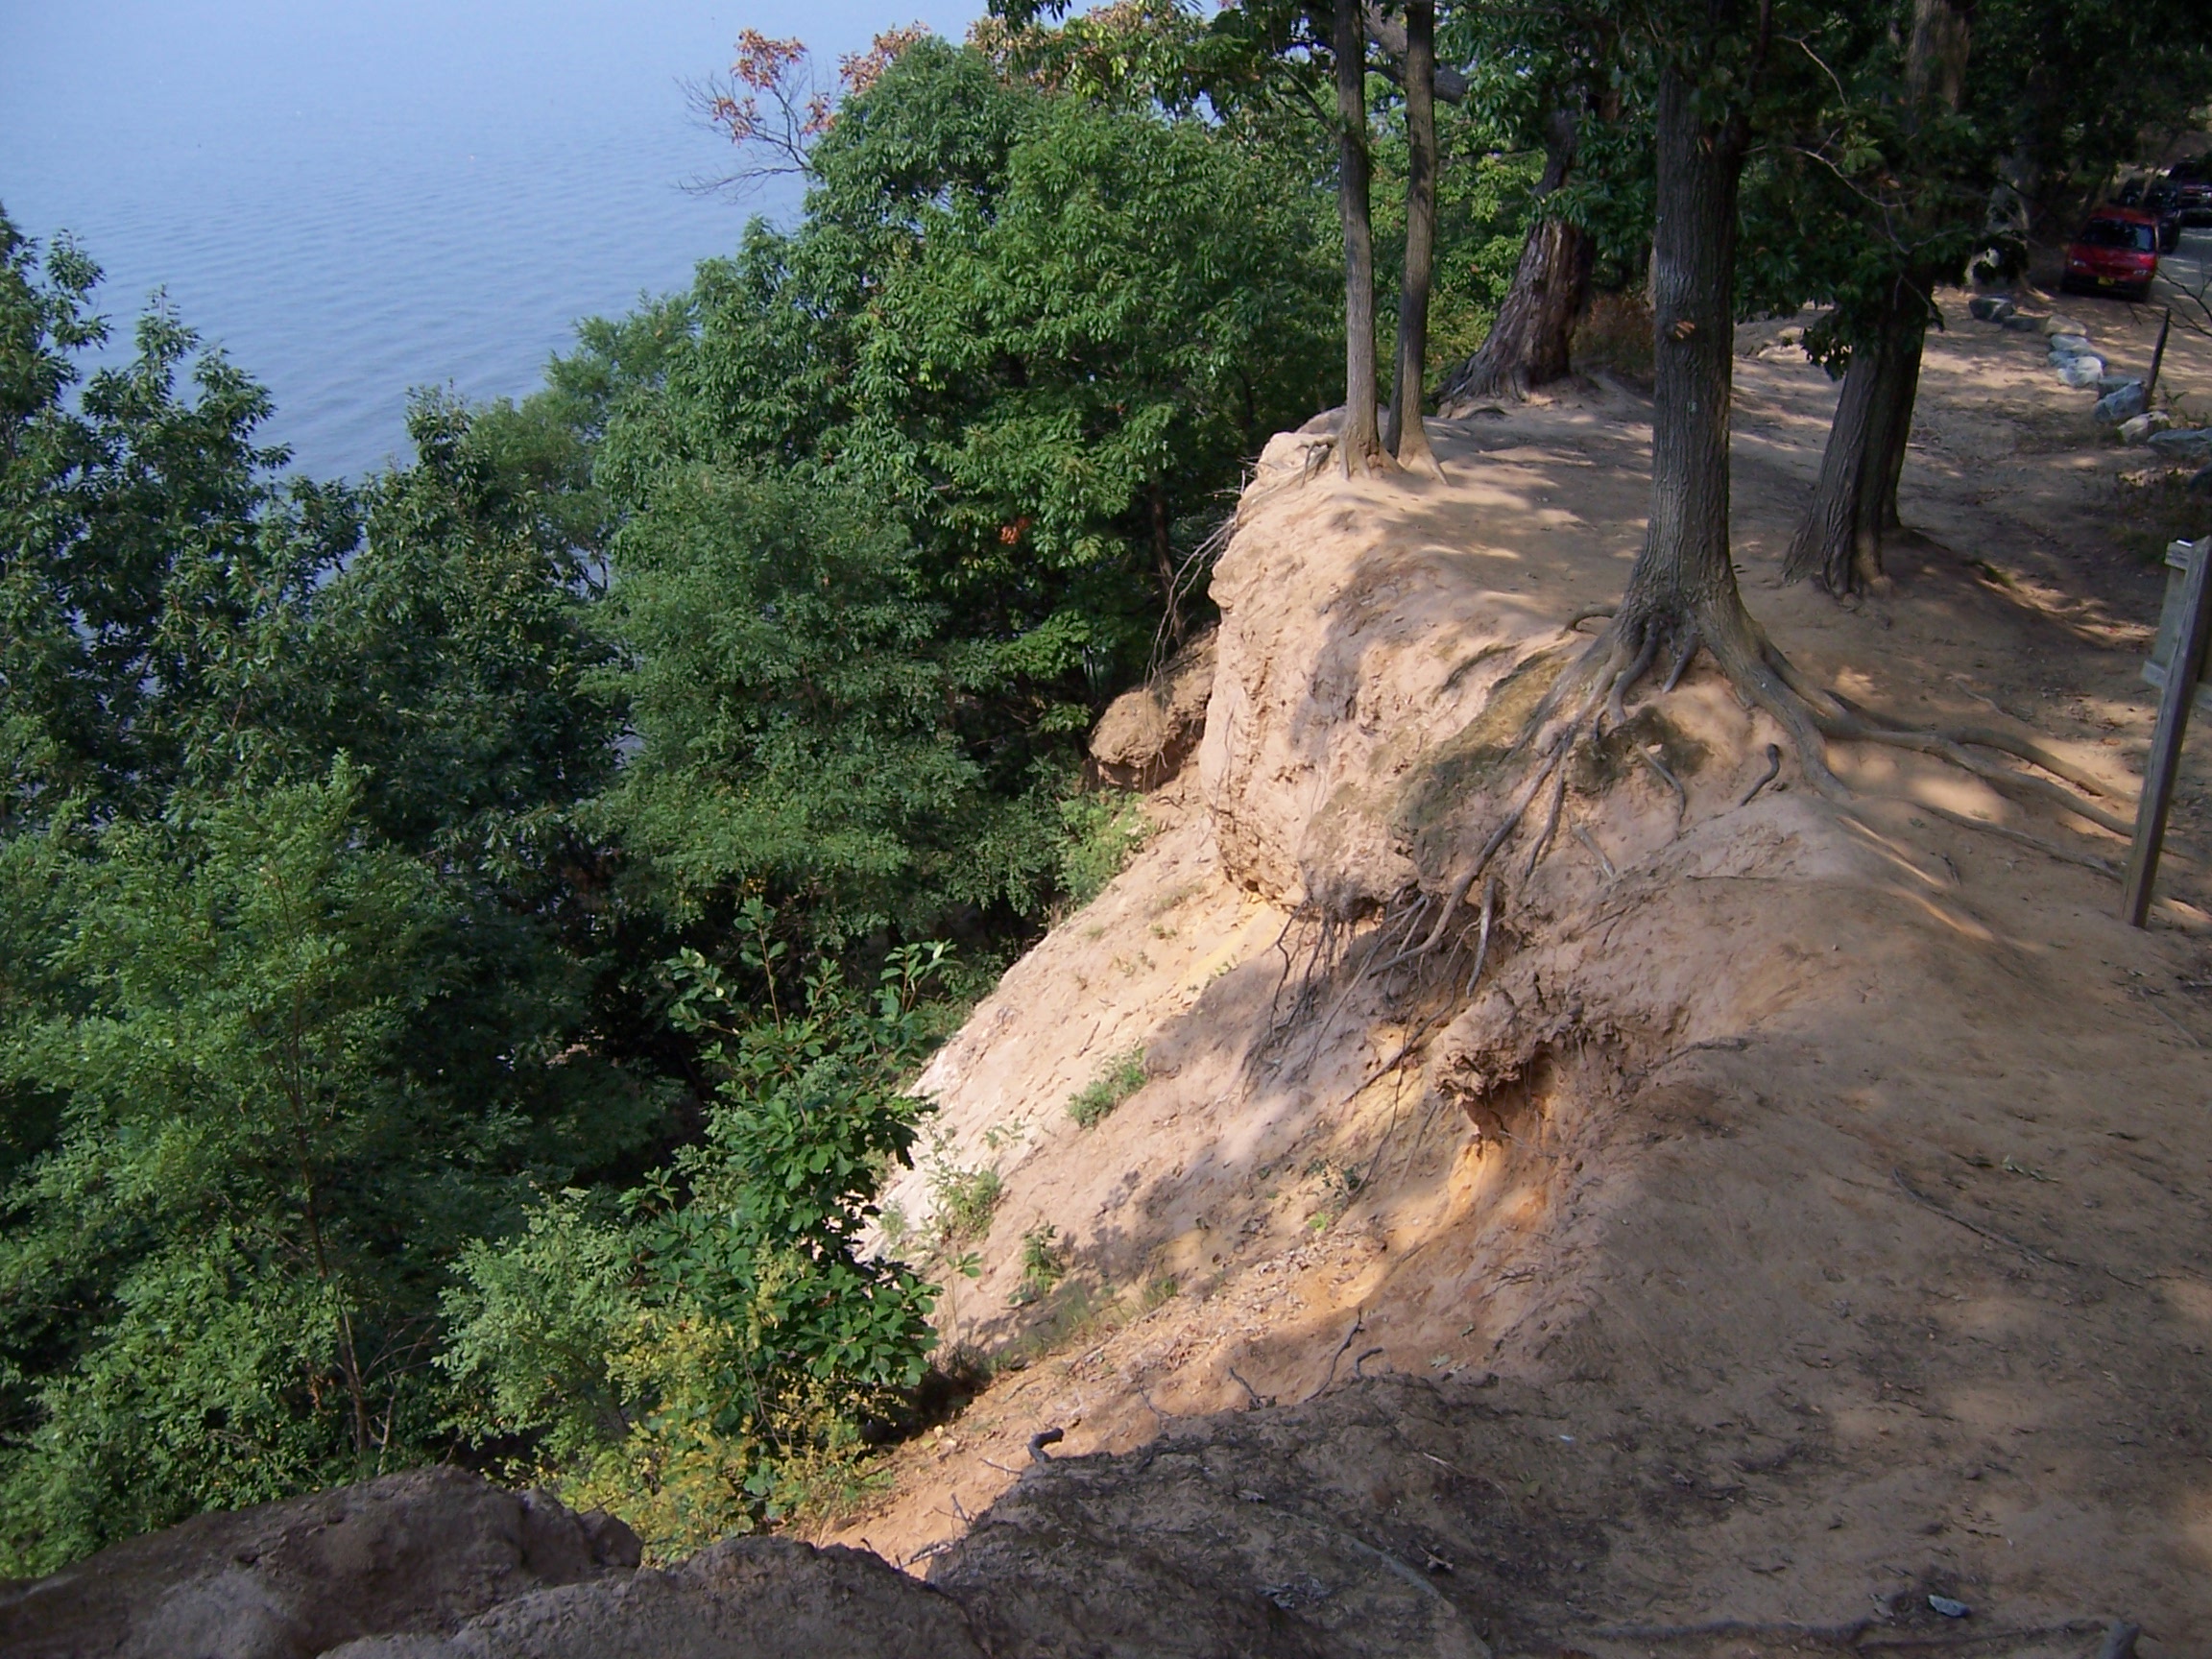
x: 1124, y: 1074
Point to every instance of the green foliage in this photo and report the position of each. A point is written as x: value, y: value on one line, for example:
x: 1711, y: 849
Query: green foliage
x: 1044, y: 1264
x: 1093, y: 1104
x: 898, y: 504
x: 152, y: 572
x: 1099, y: 832
x: 276, y: 1111
x: 303, y: 974
x: 966, y: 1200
x: 797, y: 696
x: 707, y: 1358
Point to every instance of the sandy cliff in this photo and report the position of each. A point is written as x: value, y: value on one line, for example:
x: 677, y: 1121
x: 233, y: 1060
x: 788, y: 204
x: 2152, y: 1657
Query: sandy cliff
x: 1804, y: 1213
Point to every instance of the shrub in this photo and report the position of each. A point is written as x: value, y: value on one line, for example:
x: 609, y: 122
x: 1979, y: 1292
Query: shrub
x: 710, y: 1361
x: 1044, y: 1263
x: 966, y: 1200
x: 1099, y: 833
x: 1123, y: 1076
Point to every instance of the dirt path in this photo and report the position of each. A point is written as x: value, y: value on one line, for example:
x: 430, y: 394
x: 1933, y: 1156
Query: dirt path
x: 1807, y: 1212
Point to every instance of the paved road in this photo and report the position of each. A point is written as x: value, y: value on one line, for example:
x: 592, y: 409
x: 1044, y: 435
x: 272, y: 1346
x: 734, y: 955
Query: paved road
x: 2186, y: 271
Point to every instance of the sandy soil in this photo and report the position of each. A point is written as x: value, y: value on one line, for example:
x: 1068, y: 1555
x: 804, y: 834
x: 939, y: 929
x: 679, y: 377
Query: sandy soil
x: 1804, y: 1214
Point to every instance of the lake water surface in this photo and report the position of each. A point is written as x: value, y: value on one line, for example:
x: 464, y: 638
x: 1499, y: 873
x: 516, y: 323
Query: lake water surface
x: 357, y: 197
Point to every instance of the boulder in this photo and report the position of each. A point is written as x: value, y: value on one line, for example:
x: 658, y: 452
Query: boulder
x: 742, y: 1599
x: 2184, y: 443
x: 1989, y: 308
x: 2068, y: 346
x: 2057, y: 324
x: 2020, y: 324
x: 409, y: 1554
x: 2122, y: 402
x: 1145, y: 735
x: 2140, y: 427
x: 2202, y: 483
x: 2081, y: 373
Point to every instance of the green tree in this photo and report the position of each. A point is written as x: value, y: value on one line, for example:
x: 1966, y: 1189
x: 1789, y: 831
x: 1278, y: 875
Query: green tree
x: 310, y: 964
x: 707, y: 1358
x: 153, y: 570
x: 988, y: 397
x: 280, y: 1106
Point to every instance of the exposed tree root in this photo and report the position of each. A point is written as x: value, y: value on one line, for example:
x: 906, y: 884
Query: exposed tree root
x: 2005, y: 831
x: 1425, y: 924
x: 1772, y: 771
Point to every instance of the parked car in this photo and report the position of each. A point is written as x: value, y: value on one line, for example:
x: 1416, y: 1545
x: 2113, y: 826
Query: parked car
x: 2116, y: 251
x: 2193, y: 205
x: 2162, y: 200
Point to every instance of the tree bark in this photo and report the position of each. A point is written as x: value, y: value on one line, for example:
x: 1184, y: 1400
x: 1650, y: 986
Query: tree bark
x: 1407, y: 437
x: 1529, y: 342
x: 1839, y: 541
x: 1682, y: 588
x: 1905, y: 387
x: 1682, y: 596
x: 1359, y: 442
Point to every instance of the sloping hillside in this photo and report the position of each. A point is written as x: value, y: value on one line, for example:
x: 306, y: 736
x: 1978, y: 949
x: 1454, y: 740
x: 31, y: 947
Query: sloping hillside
x: 1802, y: 1214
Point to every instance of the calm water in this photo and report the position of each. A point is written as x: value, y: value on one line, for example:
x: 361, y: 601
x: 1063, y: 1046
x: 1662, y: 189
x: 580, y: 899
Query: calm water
x: 357, y: 197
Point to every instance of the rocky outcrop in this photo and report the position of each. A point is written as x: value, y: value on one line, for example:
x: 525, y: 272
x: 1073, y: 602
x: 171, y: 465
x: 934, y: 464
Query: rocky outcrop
x: 1149, y: 1556
x: 411, y: 1553
x: 743, y: 1598
x: 1145, y: 735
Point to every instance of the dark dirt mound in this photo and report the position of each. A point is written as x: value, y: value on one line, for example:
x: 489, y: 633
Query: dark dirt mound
x: 418, y: 1551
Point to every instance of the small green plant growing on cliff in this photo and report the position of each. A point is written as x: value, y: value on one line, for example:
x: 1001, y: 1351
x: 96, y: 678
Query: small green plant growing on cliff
x: 1092, y: 1104
x: 1099, y: 832
x: 1044, y: 1264
x: 966, y: 1200
x: 1340, y: 1184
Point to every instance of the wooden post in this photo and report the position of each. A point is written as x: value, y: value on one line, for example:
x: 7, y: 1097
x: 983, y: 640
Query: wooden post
x: 2182, y: 673
x: 2157, y: 356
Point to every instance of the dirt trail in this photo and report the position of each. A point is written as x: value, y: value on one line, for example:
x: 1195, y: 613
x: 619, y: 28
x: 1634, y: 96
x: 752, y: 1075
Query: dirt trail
x: 1806, y: 1213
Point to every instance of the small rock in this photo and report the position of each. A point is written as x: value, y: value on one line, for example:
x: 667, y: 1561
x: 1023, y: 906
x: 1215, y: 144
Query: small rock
x: 2122, y: 402
x: 2060, y: 324
x: 2020, y: 324
x: 2109, y: 383
x: 2150, y: 421
x: 2081, y: 373
x: 1989, y: 308
x: 2069, y: 344
x: 2183, y: 443
x: 1949, y: 1608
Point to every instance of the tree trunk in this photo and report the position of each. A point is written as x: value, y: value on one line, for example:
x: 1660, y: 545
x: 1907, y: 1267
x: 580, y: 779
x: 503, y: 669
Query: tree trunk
x: 1839, y: 541
x: 1527, y: 345
x: 1360, y: 443
x: 1682, y: 588
x: 1682, y: 595
x: 1407, y: 438
x: 1905, y: 389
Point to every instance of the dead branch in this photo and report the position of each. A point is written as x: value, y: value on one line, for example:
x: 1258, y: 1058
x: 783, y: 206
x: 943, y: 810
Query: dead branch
x: 1358, y: 1318
x: 1596, y: 851
x: 1681, y: 795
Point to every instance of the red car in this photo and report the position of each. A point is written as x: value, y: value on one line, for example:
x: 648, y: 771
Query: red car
x: 2116, y: 251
